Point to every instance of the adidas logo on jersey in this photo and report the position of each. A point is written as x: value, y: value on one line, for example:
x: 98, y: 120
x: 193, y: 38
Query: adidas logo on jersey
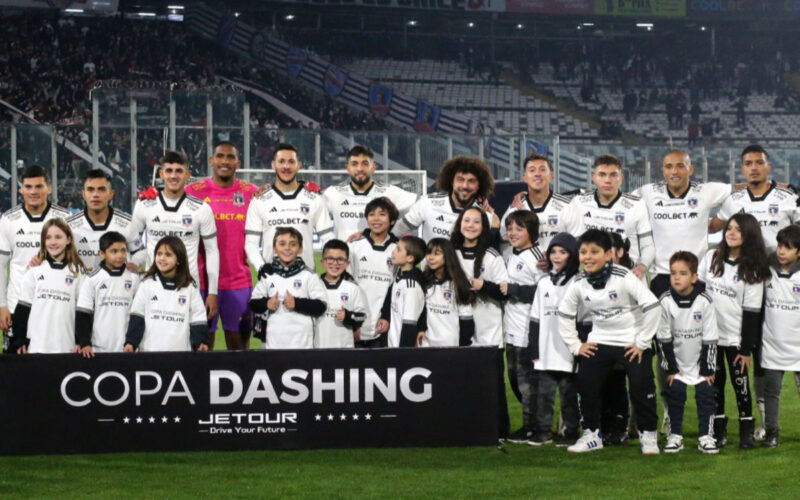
x: 103, y: 286
x: 363, y: 259
x: 274, y: 209
x: 155, y: 297
x: 345, y: 202
x: 587, y: 214
x: 156, y: 219
x: 546, y: 295
x: 587, y: 299
x: 440, y: 218
x: 41, y: 277
x: 21, y: 231
x: 660, y: 204
x: 84, y: 240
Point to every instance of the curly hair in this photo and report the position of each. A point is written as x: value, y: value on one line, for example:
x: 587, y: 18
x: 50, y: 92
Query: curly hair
x: 466, y: 165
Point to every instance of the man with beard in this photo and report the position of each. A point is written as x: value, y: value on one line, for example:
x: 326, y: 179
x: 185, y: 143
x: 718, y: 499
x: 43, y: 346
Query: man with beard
x: 463, y: 181
x: 346, y: 202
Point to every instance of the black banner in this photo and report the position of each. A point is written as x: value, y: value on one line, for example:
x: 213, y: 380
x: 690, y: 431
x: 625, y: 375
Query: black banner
x: 248, y: 400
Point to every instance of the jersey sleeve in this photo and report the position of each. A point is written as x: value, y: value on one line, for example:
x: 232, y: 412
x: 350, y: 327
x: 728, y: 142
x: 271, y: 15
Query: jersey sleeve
x: 569, y: 220
x: 664, y: 331
x: 135, y: 229
x: 401, y: 198
x: 567, y: 316
x: 413, y: 303
x: 647, y: 322
x: 198, y: 327
x: 496, y: 271
x: 208, y: 231
x: 253, y: 230
x: 357, y: 312
x: 644, y: 235
x: 86, y: 296
x: 5, y: 241
x: 323, y: 224
x: 718, y: 192
x: 27, y: 288
x: 316, y: 290
x: 412, y: 219
x: 535, y: 313
x: 710, y: 329
x: 727, y: 209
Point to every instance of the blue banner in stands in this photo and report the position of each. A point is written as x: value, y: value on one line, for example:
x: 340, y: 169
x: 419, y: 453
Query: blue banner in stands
x: 296, y: 60
x: 380, y: 99
x: 334, y: 81
x: 427, y: 118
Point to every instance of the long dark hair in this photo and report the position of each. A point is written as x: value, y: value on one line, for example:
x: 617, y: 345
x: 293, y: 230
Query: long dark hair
x: 624, y: 244
x: 452, y: 271
x: 753, y: 263
x: 183, y: 277
x: 484, y: 240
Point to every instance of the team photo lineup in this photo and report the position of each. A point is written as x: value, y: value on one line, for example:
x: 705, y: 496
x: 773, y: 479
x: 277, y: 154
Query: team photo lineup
x: 606, y: 299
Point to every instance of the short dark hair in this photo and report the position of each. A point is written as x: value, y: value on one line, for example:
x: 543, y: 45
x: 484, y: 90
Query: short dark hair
x: 97, y: 173
x: 359, y: 150
x: 607, y: 159
x: 280, y: 231
x: 109, y: 238
x: 526, y: 219
x: 284, y: 146
x: 789, y: 236
x: 755, y: 148
x: 536, y: 157
x: 598, y: 237
x: 688, y: 257
x: 415, y: 247
x: 467, y: 165
x: 174, y: 157
x: 335, y: 244
x: 227, y: 143
x: 32, y: 171
x: 385, y: 204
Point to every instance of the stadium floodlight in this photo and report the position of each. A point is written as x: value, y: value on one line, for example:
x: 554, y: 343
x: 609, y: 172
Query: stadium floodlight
x: 520, y: 26
x: 587, y: 24
x: 176, y: 7
x: 470, y: 25
x: 702, y: 28
x: 289, y: 17
x: 644, y: 25
x: 147, y: 14
x: 235, y: 14
x: 412, y: 23
x: 74, y: 11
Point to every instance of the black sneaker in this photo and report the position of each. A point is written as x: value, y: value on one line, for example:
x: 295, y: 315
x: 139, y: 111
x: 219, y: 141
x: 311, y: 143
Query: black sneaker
x: 520, y: 435
x: 615, y: 438
x: 568, y: 439
x: 540, y: 438
x: 770, y: 438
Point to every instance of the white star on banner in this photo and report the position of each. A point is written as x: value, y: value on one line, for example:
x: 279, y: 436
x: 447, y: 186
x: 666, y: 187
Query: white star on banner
x: 164, y: 420
x: 317, y: 417
x: 342, y: 417
x: 151, y: 420
x: 330, y: 417
x: 177, y: 420
x: 138, y: 420
x: 368, y: 417
x: 126, y: 420
x: 355, y: 416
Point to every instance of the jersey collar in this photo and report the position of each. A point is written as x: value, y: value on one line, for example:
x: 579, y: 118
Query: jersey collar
x: 99, y: 227
x: 458, y: 210
x: 468, y: 253
x: 600, y: 205
x: 680, y: 196
x: 333, y: 286
x: 361, y: 193
x: 36, y: 218
x: 517, y: 252
x: 292, y: 195
x: 380, y: 248
x: 112, y: 272
x: 540, y: 209
x: 167, y: 283
x: 763, y: 196
x: 686, y: 301
x: 166, y: 207
x: 54, y: 264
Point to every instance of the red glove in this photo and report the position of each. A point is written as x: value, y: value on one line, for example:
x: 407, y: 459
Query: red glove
x: 150, y: 193
x: 311, y: 186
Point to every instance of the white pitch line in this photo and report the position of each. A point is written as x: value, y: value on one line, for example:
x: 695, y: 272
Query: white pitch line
x: 105, y: 419
x: 388, y: 416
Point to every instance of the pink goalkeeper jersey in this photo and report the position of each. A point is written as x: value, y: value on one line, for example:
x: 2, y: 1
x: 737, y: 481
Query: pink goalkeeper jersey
x: 229, y: 205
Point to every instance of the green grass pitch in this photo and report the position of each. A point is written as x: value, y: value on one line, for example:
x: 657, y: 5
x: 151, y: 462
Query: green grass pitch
x: 476, y: 472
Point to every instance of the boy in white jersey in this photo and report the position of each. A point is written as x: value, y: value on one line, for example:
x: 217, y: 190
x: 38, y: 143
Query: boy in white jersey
x: 346, y: 311
x: 371, y: 265
x: 289, y: 297
x: 687, y: 338
x: 522, y: 259
x: 404, y: 304
x: 612, y: 296
x: 780, y: 346
x: 346, y: 201
x: 104, y: 302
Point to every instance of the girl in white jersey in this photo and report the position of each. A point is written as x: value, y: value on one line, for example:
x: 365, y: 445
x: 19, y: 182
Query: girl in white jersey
x: 44, y: 320
x: 448, y: 298
x: 734, y: 273
x: 483, y: 265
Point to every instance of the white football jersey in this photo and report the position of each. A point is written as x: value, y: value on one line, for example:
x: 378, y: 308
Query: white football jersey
x: 190, y: 219
x: 780, y: 348
x: 436, y: 213
x: 407, y: 304
x: 444, y: 316
x: 680, y: 223
x: 522, y: 270
x: 169, y: 313
x: 330, y: 332
x: 626, y: 215
x: 553, y: 352
x: 371, y: 266
x: 487, y: 312
x: 549, y: 216
x: 51, y: 291
x: 347, y: 205
x: 774, y: 210
x: 87, y: 234
x: 300, y: 209
x: 20, y: 234
x: 107, y: 294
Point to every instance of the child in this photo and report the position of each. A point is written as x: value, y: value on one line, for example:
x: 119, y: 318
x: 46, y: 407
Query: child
x: 687, y: 338
x: 522, y: 258
x: 289, y: 297
x: 371, y: 264
x: 404, y: 305
x: 484, y: 267
x: 781, y: 341
x: 44, y: 320
x: 167, y: 313
x: 734, y: 273
x: 448, y: 298
x: 554, y: 364
x: 104, y: 303
x: 346, y: 303
x: 610, y: 294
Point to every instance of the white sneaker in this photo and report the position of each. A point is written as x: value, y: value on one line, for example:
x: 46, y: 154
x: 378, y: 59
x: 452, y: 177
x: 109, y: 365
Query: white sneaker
x: 674, y: 443
x: 759, y: 434
x: 665, y: 427
x: 706, y: 444
x: 590, y: 441
x: 649, y: 440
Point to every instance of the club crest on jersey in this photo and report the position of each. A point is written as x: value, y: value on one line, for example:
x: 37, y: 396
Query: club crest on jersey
x: 773, y: 210
x: 297, y: 284
x: 619, y: 218
x: 128, y: 286
x: 519, y: 266
x: 447, y: 295
x: 552, y: 221
x: 305, y: 209
x: 698, y: 317
x: 736, y: 278
x: 796, y: 290
x: 69, y: 280
x: 345, y: 297
x: 397, y: 293
x: 182, y: 300
x: 389, y: 262
x: 692, y: 202
x: 187, y: 220
x: 483, y: 269
x: 238, y: 199
x: 613, y: 295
